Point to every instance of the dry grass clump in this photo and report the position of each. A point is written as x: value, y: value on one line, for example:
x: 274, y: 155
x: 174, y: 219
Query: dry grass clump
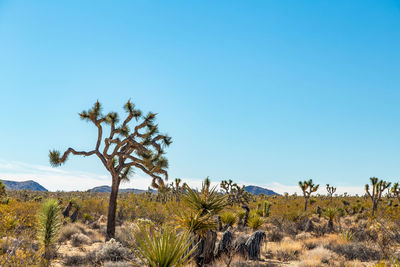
x: 303, y: 236
x: 76, y: 232
x: 274, y: 235
x: 117, y: 264
x: 80, y: 239
x: 80, y: 260
x: 286, y: 250
x: 125, y: 234
x: 356, y: 251
x: 316, y: 257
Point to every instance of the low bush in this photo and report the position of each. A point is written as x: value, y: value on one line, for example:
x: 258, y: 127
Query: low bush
x: 355, y: 251
x: 112, y: 251
x: 80, y: 239
x: 274, y: 235
x: 68, y: 231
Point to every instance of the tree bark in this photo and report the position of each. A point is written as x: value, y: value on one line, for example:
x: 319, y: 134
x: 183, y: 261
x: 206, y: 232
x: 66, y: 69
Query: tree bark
x: 305, y: 204
x: 374, y: 207
x: 112, y: 208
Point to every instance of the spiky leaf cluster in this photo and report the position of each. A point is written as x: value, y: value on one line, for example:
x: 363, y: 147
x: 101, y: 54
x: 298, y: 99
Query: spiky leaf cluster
x: 49, y: 222
x: 166, y: 247
x: 205, y: 202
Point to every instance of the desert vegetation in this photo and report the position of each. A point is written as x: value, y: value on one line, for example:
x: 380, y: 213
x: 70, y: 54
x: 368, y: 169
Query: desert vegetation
x: 177, y: 225
x: 205, y: 227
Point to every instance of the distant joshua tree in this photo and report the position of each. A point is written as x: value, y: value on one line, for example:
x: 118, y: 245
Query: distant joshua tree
x: 331, y: 190
x: 396, y: 190
x: 378, y: 187
x: 123, y: 149
x: 308, y: 187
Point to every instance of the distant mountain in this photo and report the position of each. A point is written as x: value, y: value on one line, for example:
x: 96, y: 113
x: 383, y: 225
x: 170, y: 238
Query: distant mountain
x: 107, y: 189
x: 26, y: 185
x: 256, y: 190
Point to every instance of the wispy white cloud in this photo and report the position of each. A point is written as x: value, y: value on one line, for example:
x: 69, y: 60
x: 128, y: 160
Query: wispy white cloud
x: 57, y: 179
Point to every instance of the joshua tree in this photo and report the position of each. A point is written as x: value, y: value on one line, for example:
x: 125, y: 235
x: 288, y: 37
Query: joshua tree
x: 331, y: 190
x: 123, y: 149
x: 308, y: 187
x: 235, y: 193
x: 378, y: 187
x: 266, y: 208
x: 396, y: 190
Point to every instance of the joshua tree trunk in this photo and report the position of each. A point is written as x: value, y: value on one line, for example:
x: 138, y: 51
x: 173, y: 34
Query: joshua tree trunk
x: 305, y: 203
x: 112, y: 208
x: 374, y: 207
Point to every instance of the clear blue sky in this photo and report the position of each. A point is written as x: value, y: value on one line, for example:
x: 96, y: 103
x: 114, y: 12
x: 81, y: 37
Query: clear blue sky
x: 254, y: 91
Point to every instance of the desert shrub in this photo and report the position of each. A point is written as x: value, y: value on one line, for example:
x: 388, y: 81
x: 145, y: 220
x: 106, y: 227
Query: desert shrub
x: 286, y: 250
x: 228, y: 218
x: 68, y: 231
x: 87, y: 217
x: 18, y: 218
x: 355, y: 251
x: 80, y: 239
x: 255, y: 222
x: 274, y: 235
x: 117, y: 264
x: 316, y: 257
x: 78, y: 260
x: 125, y: 234
x: 112, y: 251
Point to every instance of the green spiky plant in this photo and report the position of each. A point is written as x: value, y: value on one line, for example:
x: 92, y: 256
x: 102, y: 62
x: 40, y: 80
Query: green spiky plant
x: 207, y: 201
x: 228, y: 218
x: 164, y: 248
x: 308, y: 187
x: 124, y: 148
x: 49, y: 224
x: 255, y: 222
x: 195, y: 223
x: 330, y: 213
x: 378, y: 187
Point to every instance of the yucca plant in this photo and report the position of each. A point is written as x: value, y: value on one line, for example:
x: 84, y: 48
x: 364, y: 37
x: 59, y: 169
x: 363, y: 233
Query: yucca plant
x: 330, y: 213
x: 49, y: 224
x: 228, y: 218
x: 347, y: 236
x: 195, y: 223
x: 208, y: 201
x: 164, y: 248
x: 255, y: 222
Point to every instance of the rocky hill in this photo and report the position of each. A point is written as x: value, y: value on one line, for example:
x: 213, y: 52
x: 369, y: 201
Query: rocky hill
x: 107, y: 189
x: 25, y: 185
x: 256, y: 190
